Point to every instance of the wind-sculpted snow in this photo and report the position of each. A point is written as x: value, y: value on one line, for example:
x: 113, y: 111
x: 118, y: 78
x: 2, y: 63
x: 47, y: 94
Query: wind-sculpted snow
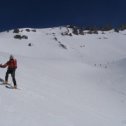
x: 64, y: 80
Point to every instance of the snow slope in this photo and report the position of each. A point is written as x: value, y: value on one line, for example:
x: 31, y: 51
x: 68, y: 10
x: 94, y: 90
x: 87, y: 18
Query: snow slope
x: 82, y: 85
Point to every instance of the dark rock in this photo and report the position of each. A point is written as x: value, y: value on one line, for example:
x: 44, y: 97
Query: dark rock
x: 16, y: 30
x: 24, y: 37
x: 18, y: 37
x: 34, y: 30
x: 29, y: 44
x: 28, y: 30
x: 63, y: 46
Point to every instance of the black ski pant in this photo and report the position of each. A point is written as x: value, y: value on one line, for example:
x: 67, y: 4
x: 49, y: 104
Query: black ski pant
x: 12, y: 72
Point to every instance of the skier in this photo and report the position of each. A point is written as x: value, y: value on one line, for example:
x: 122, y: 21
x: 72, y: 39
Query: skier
x: 12, y: 66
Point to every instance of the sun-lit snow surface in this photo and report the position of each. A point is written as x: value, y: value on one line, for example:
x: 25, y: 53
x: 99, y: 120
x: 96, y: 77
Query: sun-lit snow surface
x: 83, y: 85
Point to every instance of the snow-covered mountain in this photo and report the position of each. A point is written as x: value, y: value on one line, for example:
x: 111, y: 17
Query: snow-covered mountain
x: 64, y: 79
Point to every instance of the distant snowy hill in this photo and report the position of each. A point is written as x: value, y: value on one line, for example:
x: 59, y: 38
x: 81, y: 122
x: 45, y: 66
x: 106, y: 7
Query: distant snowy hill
x: 66, y: 77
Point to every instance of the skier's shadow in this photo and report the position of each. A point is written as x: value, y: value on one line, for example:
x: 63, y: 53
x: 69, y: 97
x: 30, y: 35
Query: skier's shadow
x: 1, y: 81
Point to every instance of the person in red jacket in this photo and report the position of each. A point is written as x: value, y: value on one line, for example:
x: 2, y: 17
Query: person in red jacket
x: 12, y: 66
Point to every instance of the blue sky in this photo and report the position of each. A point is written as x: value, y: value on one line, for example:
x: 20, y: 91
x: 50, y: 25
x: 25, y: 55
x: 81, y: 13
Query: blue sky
x: 49, y: 13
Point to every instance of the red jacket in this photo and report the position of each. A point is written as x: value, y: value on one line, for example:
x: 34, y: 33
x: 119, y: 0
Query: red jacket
x: 12, y: 64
